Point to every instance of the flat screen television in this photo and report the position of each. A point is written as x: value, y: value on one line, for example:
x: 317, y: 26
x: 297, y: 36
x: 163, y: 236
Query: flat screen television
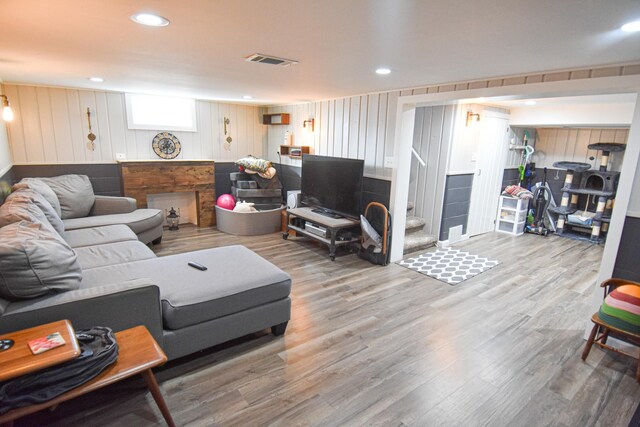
x: 332, y: 184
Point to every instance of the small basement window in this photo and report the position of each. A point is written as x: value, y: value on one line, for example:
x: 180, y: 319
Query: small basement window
x: 151, y: 112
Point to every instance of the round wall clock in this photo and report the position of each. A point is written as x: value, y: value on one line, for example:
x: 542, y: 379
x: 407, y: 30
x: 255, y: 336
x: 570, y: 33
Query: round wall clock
x: 166, y: 145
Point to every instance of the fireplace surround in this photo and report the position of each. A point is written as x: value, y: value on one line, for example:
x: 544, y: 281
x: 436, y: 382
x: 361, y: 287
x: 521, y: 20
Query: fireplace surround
x: 141, y: 178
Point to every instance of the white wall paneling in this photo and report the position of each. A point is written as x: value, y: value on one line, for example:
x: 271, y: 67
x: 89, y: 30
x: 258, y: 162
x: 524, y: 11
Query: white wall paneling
x: 51, y: 127
x: 432, y: 140
x: 557, y: 144
x: 358, y: 127
x: 6, y: 160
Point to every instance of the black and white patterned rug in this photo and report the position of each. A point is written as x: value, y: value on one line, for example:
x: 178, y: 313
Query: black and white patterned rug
x: 449, y: 265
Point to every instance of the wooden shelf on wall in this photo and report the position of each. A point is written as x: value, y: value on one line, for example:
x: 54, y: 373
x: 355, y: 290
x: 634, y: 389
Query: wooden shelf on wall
x: 276, y: 119
x: 292, y: 150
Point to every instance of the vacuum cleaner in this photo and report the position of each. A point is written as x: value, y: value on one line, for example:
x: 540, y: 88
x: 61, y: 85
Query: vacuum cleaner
x: 540, y: 203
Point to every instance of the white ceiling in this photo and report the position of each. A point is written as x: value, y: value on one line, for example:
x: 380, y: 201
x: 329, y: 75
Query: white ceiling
x: 339, y: 43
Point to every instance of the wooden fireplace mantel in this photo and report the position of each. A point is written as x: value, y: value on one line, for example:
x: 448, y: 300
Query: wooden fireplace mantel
x: 143, y: 177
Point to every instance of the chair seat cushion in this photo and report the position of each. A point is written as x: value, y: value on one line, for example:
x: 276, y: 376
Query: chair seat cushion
x: 99, y: 235
x: 113, y: 254
x: 138, y: 221
x: 621, y: 308
x: 236, y: 279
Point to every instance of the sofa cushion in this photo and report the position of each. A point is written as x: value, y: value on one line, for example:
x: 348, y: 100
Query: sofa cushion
x: 99, y: 235
x: 34, y: 261
x: 138, y: 221
x: 112, y: 254
x: 75, y: 194
x: 3, y: 306
x: 43, y: 189
x: 25, y: 196
x: 236, y: 279
x: 17, y: 210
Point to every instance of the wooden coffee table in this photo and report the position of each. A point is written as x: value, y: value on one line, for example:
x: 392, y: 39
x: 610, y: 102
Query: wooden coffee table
x: 18, y: 360
x: 138, y: 353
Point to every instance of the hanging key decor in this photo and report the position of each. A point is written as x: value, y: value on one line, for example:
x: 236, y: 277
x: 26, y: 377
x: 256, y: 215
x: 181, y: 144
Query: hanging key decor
x: 91, y: 145
x: 227, y: 144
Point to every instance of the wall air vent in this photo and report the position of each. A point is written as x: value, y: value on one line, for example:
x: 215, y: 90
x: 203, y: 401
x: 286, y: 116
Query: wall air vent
x: 271, y: 60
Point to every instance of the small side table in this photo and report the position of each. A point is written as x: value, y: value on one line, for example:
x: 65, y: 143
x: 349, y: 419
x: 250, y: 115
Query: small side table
x: 138, y: 353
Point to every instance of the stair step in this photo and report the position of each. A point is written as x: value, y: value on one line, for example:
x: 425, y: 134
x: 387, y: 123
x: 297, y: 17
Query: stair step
x: 413, y: 224
x: 410, y: 206
x: 418, y: 241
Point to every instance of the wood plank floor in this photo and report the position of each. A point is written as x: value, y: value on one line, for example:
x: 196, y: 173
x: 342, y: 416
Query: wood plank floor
x: 372, y: 345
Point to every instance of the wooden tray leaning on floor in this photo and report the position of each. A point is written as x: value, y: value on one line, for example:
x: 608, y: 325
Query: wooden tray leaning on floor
x: 602, y: 331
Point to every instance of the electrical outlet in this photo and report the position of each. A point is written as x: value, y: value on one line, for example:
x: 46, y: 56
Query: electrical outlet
x: 121, y: 156
x: 388, y: 162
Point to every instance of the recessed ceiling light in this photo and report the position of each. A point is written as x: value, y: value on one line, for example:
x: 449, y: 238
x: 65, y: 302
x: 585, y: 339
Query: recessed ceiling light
x: 530, y: 102
x: 247, y: 97
x: 631, y: 27
x: 383, y: 71
x: 96, y: 79
x: 150, y: 19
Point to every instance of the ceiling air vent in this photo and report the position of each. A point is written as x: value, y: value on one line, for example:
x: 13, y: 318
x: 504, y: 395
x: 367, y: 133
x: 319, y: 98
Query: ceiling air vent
x: 271, y: 60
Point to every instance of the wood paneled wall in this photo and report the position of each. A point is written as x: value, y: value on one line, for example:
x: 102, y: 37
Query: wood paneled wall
x: 432, y: 139
x: 51, y: 127
x: 557, y: 144
x: 359, y: 127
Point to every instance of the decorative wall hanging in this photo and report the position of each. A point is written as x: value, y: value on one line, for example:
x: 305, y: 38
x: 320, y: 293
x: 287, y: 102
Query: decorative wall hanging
x: 91, y: 145
x: 166, y: 145
x: 227, y: 133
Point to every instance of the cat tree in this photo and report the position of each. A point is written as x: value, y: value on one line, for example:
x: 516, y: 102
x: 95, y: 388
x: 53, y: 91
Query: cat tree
x: 580, y: 180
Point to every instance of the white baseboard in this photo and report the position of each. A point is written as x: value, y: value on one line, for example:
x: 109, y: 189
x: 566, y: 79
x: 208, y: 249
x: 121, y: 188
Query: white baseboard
x: 447, y: 243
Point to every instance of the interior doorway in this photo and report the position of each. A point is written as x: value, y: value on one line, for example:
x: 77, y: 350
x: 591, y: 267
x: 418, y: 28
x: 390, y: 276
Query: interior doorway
x: 490, y: 160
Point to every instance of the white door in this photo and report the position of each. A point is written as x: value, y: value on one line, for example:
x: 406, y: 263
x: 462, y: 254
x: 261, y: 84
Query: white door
x: 493, y: 143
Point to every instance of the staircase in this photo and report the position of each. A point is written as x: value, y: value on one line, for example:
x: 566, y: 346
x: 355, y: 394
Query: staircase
x: 415, y: 238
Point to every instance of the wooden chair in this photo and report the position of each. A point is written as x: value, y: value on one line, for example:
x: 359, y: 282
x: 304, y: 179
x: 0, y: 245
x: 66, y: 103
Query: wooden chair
x: 602, y: 331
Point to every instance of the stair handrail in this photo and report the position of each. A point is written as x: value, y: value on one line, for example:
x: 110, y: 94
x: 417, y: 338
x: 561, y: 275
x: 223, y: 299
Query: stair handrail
x: 417, y: 156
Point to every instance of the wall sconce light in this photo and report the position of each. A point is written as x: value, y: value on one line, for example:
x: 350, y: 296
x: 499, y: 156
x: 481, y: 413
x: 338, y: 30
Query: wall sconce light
x: 311, y: 123
x: 7, y: 112
x: 471, y: 117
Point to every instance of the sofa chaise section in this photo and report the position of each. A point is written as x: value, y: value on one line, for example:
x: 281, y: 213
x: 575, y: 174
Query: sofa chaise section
x: 239, y: 293
x: 146, y: 223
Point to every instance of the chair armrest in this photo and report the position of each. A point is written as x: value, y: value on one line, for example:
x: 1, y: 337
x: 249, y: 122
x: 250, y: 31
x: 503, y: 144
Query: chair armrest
x: 108, y: 205
x: 118, y: 306
x: 610, y: 284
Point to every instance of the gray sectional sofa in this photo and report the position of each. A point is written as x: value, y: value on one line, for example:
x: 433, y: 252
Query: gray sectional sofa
x: 94, y: 270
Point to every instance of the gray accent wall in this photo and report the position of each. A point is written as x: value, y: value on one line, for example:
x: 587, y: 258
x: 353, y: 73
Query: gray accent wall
x: 373, y: 189
x: 8, y: 176
x: 555, y: 180
x: 457, y: 199
x: 104, y: 177
x: 431, y: 139
x: 627, y: 266
x: 223, y: 181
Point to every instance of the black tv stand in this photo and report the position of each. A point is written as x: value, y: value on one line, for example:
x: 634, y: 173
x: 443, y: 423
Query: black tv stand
x: 326, y: 212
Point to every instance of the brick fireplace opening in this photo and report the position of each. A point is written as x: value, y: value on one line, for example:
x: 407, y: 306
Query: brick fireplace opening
x: 142, y: 178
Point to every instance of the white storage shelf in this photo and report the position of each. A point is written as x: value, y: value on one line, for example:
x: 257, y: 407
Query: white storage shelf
x: 512, y: 215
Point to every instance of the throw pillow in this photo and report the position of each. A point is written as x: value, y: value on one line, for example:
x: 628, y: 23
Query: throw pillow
x: 41, y: 187
x: 254, y: 164
x: 35, y: 261
x: 75, y: 194
x: 26, y: 196
x: 17, y: 210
